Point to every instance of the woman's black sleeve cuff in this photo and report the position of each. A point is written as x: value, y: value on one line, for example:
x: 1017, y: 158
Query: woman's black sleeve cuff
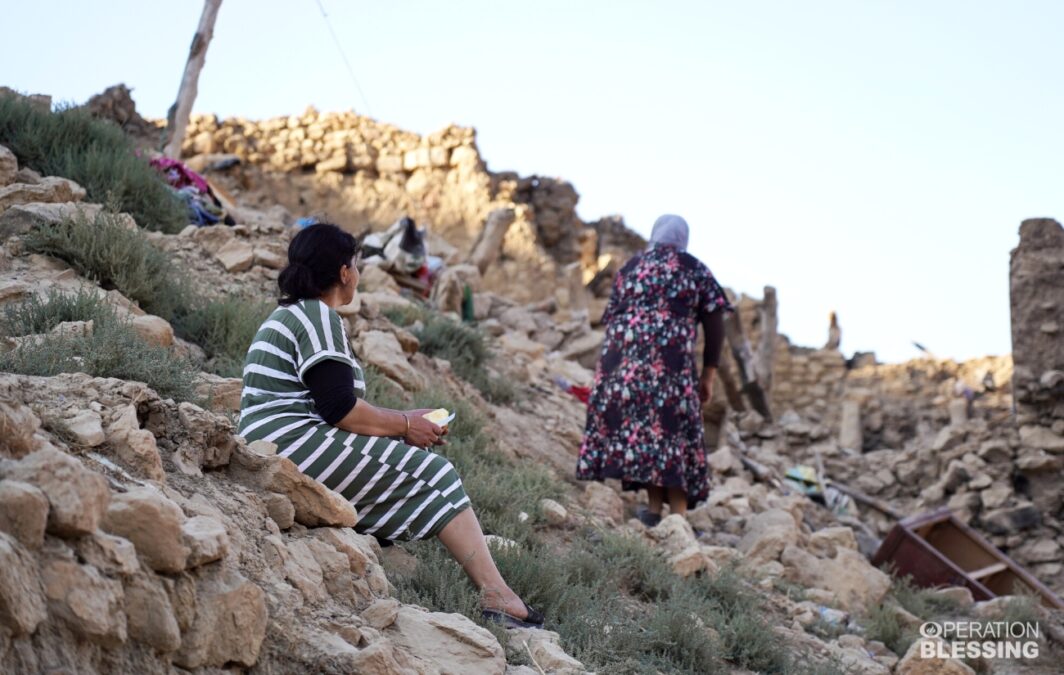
x: 713, y: 325
x: 331, y: 386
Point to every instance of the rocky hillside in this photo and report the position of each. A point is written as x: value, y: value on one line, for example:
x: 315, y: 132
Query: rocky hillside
x: 140, y: 534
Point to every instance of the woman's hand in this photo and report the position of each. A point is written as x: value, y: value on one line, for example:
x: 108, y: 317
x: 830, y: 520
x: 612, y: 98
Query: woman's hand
x: 423, y: 433
x: 705, y: 385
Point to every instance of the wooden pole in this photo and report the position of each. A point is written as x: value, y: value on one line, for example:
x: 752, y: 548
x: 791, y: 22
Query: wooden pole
x: 745, y: 363
x: 766, y: 357
x: 177, y: 118
x: 489, y: 246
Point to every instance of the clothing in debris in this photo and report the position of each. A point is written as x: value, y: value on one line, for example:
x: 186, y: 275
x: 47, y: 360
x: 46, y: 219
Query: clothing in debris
x: 401, y: 492
x: 204, y: 207
x: 644, y: 420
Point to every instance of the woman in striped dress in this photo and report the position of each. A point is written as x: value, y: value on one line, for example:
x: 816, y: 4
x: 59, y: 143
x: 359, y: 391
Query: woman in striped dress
x: 304, y: 390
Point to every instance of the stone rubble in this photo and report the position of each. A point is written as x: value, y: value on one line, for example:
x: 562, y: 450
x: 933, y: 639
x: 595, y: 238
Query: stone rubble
x: 133, y: 526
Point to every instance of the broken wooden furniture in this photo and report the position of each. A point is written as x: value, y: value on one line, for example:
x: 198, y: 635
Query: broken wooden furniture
x: 937, y: 549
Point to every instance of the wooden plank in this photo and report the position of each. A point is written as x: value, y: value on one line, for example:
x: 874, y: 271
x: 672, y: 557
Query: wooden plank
x: 956, y: 545
x: 988, y: 570
x: 911, y: 553
x: 862, y: 498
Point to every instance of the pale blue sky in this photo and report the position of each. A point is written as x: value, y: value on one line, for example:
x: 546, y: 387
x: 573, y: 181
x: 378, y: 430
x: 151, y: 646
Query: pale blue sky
x: 875, y: 158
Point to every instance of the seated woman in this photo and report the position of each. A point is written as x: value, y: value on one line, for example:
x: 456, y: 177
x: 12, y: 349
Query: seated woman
x: 304, y: 391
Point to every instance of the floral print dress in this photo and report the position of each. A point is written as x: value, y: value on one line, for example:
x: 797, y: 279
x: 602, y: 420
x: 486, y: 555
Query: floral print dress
x: 644, y: 418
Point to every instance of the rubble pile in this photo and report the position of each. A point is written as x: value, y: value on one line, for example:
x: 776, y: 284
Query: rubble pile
x: 139, y: 534
x: 934, y: 433
x: 364, y: 174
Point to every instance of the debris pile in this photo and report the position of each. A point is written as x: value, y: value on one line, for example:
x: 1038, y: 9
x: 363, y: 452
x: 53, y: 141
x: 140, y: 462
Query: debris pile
x: 139, y: 534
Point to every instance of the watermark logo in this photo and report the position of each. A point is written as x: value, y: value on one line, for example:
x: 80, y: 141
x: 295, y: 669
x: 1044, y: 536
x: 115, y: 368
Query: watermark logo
x: 980, y: 639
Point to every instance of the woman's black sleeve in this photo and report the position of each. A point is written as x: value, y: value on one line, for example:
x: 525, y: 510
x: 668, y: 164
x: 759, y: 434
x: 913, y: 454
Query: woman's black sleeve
x: 331, y: 386
x: 713, y: 326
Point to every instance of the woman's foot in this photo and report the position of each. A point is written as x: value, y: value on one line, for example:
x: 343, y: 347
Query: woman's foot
x: 647, y: 517
x: 504, y: 606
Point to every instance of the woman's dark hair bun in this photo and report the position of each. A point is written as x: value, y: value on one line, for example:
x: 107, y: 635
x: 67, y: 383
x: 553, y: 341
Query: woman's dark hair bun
x: 315, y: 257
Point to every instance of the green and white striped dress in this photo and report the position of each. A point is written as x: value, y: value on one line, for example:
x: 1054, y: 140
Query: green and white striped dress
x: 400, y: 491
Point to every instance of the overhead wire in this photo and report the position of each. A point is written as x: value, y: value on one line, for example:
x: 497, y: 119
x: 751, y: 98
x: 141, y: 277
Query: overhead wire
x: 347, y: 63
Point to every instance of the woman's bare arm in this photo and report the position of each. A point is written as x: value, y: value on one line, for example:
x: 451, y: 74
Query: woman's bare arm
x: 369, y: 420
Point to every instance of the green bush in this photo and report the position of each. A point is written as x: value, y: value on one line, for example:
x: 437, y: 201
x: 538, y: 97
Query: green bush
x: 615, y: 602
x: 881, y: 623
x: 921, y: 602
x: 224, y: 329
x: 36, y: 315
x: 105, y: 250
x: 93, y: 153
x: 461, y: 345
x: 113, y: 349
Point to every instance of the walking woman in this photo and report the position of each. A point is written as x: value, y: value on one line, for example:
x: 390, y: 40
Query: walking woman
x: 305, y: 391
x: 644, y: 418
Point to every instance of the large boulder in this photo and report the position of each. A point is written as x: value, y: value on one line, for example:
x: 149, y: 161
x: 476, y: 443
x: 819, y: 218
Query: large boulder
x: 153, y: 523
x: 151, y: 616
x: 674, y: 534
x: 855, y: 584
x: 315, y: 505
x: 236, y: 255
x: 154, y: 330
x: 23, y: 512
x: 86, y: 428
x: 51, y: 189
x: 222, y: 393
x: 545, y: 649
x: 8, y: 166
x: 604, y: 502
x: 206, y: 539
x: 77, y: 497
x: 363, y: 556
x: 22, y: 605
x: 335, y: 569
x: 88, y: 602
x: 22, y: 218
x: 382, y: 350
x: 229, y: 622
x: 1041, y: 438
x: 767, y: 535
x: 447, y: 643
x: 135, y: 447
x: 448, y: 291
x: 110, y: 554
x: 304, y: 572
x: 374, y: 280
x: 18, y: 426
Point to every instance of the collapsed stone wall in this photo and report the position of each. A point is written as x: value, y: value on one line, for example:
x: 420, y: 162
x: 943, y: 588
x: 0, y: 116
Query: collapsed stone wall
x: 249, y: 568
x: 1037, y: 296
x: 364, y: 175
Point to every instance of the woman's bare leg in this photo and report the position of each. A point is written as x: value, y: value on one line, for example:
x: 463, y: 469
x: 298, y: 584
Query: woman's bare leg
x: 678, y: 501
x: 655, y: 497
x: 465, y: 540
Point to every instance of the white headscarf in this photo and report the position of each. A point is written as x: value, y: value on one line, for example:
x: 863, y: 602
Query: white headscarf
x: 669, y: 230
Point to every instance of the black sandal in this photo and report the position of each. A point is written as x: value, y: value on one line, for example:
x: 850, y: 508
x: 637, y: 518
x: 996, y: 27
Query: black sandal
x: 533, y: 620
x: 647, y: 517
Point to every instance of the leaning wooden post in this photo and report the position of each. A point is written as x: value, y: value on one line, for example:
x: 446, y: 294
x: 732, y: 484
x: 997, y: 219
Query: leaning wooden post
x: 488, y: 247
x: 177, y: 117
x: 745, y: 363
x: 731, y: 387
x: 766, y: 357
